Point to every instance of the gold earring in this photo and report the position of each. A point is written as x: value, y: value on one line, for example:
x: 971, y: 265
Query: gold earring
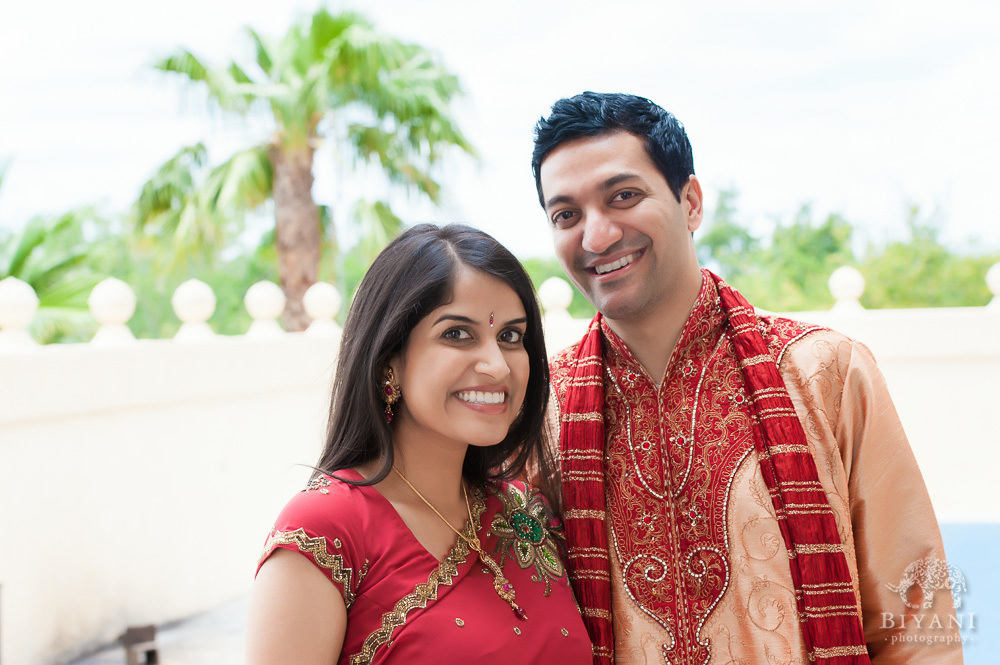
x: 390, y: 393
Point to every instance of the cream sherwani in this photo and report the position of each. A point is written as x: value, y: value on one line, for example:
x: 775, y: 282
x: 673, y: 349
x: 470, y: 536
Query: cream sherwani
x: 699, y: 571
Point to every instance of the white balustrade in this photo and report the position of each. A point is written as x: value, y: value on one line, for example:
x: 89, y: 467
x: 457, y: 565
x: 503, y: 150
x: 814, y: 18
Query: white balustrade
x: 18, y: 304
x: 112, y: 302
x: 322, y: 302
x: 993, y: 284
x: 265, y: 301
x: 555, y: 295
x: 162, y: 431
x: 846, y: 285
x: 193, y: 303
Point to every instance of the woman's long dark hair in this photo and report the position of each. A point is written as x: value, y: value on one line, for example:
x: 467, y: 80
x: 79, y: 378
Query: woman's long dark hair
x: 412, y: 276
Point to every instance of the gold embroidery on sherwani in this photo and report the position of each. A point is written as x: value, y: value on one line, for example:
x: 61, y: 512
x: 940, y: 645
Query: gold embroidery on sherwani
x: 425, y: 591
x: 672, y: 455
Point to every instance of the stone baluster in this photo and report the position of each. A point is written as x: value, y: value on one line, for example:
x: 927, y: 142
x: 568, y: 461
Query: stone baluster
x: 554, y: 295
x: 193, y: 303
x: 265, y: 301
x: 846, y: 284
x: 993, y: 284
x: 322, y: 302
x: 18, y: 305
x: 112, y: 302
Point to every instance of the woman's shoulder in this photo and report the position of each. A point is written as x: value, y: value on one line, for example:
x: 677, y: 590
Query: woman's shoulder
x: 327, y: 522
x: 326, y: 505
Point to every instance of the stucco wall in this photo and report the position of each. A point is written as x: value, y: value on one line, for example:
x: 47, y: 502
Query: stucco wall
x: 138, y: 481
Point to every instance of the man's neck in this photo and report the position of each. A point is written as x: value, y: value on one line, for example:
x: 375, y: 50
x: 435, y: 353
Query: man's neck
x: 652, y: 338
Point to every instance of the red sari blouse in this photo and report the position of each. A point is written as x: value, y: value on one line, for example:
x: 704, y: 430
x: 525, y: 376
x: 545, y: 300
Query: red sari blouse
x: 406, y: 606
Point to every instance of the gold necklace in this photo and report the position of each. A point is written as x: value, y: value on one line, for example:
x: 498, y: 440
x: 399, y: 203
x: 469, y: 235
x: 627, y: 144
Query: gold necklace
x: 501, y: 584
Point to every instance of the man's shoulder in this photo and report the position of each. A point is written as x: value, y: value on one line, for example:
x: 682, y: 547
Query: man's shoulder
x: 796, y: 345
x: 782, y: 334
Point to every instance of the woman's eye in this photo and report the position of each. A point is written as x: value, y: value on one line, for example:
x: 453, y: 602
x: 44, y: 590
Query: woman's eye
x: 511, y: 336
x: 456, y: 334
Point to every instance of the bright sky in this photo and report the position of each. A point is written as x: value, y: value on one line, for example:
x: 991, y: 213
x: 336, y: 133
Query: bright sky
x: 859, y: 107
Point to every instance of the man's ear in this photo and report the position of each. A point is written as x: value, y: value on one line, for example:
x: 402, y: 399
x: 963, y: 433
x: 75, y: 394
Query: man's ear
x: 691, y: 202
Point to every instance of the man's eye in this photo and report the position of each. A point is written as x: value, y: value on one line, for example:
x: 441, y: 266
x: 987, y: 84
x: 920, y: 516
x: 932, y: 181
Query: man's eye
x: 624, y: 196
x: 563, y: 218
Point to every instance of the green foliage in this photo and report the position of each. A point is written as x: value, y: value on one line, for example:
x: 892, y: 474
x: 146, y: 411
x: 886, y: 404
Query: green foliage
x: 334, y: 78
x: 921, y: 272
x: 192, y: 212
x: 723, y: 244
x: 789, y: 270
x: 51, y: 255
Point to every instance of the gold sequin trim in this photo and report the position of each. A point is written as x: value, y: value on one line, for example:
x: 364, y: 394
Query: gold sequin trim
x: 596, y: 476
x: 590, y: 575
x: 425, y: 591
x: 756, y: 360
x: 584, y: 514
x: 459, y: 622
x: 785, y: 448
x: 595, y: 416
x: 564, y: 632
x: 583, y: 454
x: 596, y: 613
x: 833, y: 652
x: 339, y: 573
x: 517, y: 631
x: 832, y: 548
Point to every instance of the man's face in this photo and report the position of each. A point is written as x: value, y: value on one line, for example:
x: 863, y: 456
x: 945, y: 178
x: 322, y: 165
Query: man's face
x: 620, y: 233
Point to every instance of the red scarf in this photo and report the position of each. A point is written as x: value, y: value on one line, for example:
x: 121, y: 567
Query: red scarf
x: 824, y: 592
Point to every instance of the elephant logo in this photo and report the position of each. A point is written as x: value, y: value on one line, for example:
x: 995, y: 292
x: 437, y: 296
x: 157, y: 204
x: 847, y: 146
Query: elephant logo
x: 929, y: 575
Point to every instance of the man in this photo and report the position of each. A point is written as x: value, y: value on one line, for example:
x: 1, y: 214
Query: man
x: 737, y: 488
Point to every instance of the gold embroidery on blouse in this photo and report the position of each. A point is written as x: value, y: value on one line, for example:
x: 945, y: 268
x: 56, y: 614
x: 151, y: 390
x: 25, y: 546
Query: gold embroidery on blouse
x: 425, y: 591
x: 525, y: 533
x: 339, y: 573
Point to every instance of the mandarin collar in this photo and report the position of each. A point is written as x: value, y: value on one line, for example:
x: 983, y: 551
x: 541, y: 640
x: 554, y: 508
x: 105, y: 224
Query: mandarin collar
x: 705, y: 318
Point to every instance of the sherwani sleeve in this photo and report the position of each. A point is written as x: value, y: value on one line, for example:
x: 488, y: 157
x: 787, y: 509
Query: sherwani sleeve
x: 892, y: 520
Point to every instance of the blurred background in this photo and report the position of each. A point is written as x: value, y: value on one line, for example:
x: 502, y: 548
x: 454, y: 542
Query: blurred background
x: 157, y: 143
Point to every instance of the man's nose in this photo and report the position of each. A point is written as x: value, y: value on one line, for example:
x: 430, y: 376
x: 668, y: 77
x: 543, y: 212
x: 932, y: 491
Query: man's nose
x: 599, y: 233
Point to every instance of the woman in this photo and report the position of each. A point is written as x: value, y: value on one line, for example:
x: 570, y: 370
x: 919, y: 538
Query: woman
x: 408, y: 545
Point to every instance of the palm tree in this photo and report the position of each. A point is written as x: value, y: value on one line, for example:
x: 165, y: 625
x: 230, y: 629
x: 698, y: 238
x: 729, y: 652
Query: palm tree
x: 335, y: 78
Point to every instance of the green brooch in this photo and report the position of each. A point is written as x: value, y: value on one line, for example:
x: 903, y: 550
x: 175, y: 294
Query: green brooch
x: 524, y: 534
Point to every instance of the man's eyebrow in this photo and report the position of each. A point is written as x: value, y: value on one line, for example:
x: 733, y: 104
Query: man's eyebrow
x: 618, y: 179
x: 606, y: 185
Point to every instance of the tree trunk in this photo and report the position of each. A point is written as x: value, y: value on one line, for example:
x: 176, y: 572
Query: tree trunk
x: 297, y: 229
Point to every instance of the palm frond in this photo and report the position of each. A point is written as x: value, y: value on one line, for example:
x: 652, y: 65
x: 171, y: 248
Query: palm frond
x: 186, y: 63
x: 244, y: 181
x: 262, y: 51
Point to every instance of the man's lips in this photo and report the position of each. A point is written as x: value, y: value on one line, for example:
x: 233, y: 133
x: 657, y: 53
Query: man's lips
x: 617, y: 264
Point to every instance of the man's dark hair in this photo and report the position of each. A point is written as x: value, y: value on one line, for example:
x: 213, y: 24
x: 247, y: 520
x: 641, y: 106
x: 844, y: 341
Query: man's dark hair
x: 595, y: 113
x: 412, y: 276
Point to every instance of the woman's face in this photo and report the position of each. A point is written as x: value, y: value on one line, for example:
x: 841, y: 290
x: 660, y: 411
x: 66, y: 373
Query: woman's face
x: 464, y: 369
